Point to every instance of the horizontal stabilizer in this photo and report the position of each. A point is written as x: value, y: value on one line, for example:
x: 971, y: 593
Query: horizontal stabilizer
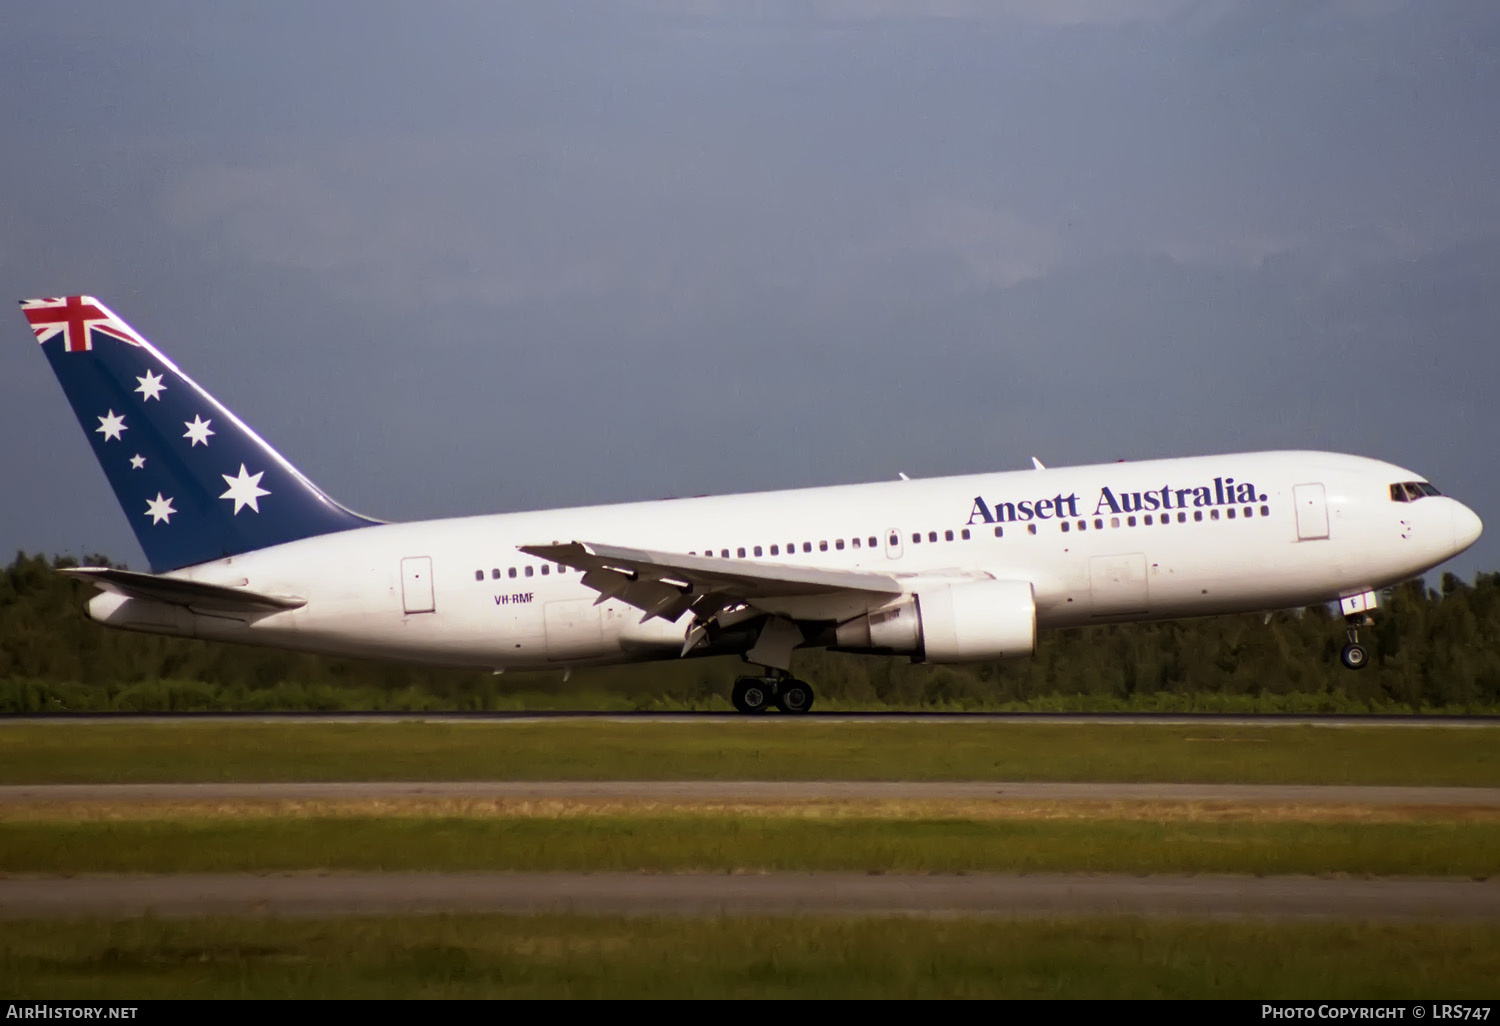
x: 178, y: 592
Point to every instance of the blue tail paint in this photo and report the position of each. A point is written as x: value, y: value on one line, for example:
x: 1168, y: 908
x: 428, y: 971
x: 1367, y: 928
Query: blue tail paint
x: 195, y: 482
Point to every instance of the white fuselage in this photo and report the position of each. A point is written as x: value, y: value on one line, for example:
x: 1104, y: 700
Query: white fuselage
x: 1108, y: 543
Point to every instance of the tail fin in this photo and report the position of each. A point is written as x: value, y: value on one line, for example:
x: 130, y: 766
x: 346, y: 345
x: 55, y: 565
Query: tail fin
x: 195, y: 482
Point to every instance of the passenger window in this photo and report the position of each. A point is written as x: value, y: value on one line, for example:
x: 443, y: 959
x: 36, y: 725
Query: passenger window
x: 1114, y: 521
x: 895, y: 540
x: 875, y: 544
x: 1197, y: 514
x: 775, y: 550
x: 932, y: 536
x: 528, y: 571
x: 1031, y: 528
x: 740, y: 552
x: 964, y: 534
x: 1147, y: 518
x: 999, y: 531
x: 723, y: 553
x: 1083, y: 525
x: 1249, y: 511
x: 839, y: 544
x: 947, y: 536
x: 823, y: 546
x: 854, y: 542
x: 1099, y: 524
x: 916, y: 537
x: 757, y: 550
x: 1130, y: 521
x: 1213, y: 514
x: 1229, y: 512
x: 1182, y: 518
x: 807, y: 546
x: 546, y: 569
x: 479, y: 575
x: 511, y: 572
x: 1066, y: 528
x: 1265, y: 511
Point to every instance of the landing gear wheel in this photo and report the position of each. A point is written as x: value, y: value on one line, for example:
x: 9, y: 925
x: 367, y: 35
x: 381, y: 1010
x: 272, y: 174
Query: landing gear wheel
x: 751, y: 694
x: 1354, y: 656
x: 794, y: 696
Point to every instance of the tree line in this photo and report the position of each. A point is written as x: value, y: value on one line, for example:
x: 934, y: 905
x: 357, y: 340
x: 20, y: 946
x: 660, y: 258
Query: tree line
x: 1430, y: 649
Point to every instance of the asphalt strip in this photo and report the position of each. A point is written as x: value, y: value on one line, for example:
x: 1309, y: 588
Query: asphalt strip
x: 753, y: 790
x: 712, y: 895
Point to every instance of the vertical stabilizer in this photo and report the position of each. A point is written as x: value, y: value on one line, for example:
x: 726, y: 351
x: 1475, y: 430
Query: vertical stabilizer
x: 195, y: 482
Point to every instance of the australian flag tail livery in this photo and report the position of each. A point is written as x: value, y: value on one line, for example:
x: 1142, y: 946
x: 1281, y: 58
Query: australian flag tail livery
x: 195, y: 482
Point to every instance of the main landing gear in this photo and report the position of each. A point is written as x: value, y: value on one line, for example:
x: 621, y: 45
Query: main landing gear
x: 1354, y: 655
x: 787, y: 693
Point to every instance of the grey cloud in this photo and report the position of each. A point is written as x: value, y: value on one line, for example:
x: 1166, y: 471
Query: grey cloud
x: 468, y: 257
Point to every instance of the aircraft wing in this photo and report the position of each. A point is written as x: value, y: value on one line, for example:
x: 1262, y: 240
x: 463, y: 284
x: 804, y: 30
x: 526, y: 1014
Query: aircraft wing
x: 668, y: 584
x: 178, y: 592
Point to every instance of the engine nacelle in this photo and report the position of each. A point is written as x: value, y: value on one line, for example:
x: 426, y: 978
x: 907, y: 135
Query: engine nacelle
x: 950, y: 623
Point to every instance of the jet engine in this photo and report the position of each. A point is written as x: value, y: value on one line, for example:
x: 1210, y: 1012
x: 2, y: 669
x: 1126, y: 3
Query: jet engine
x: 949, y: 623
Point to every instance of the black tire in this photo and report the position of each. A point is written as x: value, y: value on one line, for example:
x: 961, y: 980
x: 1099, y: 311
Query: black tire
x: 794, y: 696
x: 1355, y: 657
x: 751, y: 695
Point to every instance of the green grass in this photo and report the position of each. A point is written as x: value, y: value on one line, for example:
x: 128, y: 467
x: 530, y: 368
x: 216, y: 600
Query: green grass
x: 767, y: 749
x: 579, y: 957
x: 722, y: 842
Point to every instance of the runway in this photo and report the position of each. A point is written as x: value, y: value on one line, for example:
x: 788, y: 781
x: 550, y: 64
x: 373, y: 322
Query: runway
x: 772, y: 720
x: 753, y: 790
x: 708, y: 895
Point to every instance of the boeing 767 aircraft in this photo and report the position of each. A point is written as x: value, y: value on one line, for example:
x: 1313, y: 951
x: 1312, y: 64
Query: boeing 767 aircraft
x: 243, y: 547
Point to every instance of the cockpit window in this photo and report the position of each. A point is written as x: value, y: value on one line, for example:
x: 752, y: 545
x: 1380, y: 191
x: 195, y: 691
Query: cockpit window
x: 1411, y: 491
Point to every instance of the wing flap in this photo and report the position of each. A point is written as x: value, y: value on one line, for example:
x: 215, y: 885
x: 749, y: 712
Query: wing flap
x: 744, y: 579
x: 179, y: 592
x: 669, y: 584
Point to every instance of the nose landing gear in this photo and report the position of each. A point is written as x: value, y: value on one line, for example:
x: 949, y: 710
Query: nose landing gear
x: 1354, y: 655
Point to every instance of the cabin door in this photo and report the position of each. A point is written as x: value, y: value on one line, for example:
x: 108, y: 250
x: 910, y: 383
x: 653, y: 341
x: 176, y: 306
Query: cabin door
x: 416, y: 584
x: 1312, y: 511
x: 893, y: 543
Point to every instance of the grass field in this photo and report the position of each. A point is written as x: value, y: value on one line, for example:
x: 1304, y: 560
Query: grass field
x: 768, y: 749
x: 558, y: 956
x: 1443, y: 842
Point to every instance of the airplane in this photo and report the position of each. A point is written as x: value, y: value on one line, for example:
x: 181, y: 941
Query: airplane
x: 243, y: 547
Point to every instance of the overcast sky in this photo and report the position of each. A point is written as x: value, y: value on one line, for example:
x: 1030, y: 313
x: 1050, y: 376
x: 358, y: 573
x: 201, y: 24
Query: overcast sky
x: 457, y: 258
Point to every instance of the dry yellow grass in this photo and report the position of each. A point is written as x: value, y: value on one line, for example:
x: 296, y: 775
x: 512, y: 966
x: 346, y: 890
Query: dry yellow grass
x: 420, y: 807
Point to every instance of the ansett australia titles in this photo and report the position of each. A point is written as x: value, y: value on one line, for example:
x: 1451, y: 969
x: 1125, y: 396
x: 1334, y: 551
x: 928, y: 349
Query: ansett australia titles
x: 1224, y: 491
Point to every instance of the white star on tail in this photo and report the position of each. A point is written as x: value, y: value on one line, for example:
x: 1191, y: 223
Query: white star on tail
x: 151, y: 387
x: 137, y: 461
x: 159, y: 509
x: 110, y: 425
x: 245, y: 490
x: 197, y: 430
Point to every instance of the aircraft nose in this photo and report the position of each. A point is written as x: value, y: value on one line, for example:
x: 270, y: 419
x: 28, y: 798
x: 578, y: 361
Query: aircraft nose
x: 1466, y: 527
